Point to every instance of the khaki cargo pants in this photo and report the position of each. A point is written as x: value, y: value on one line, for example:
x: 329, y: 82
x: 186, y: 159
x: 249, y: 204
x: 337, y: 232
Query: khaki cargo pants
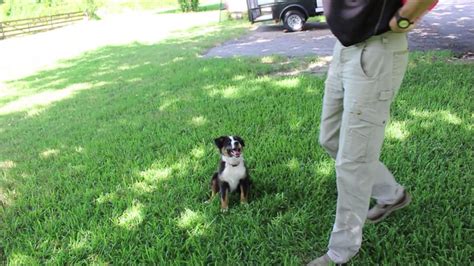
x: 362, y: 82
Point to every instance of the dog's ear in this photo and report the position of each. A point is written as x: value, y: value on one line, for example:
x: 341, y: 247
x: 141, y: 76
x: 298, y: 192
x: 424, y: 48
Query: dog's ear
x: 239, y: 139
x: 220, y: 142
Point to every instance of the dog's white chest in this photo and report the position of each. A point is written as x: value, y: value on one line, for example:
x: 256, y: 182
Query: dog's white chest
x: 232, y: 175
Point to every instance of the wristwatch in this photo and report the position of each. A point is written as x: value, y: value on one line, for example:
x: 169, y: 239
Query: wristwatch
x: 402, y: 22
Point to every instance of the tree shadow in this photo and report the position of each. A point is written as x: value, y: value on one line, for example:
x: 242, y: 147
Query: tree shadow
x: 440, y: 29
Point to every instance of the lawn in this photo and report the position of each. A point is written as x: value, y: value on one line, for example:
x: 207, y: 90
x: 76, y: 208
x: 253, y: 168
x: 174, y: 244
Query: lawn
x: 107, y: 158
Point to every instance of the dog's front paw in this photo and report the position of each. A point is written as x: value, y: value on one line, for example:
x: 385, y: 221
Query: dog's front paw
x: 224, y: 210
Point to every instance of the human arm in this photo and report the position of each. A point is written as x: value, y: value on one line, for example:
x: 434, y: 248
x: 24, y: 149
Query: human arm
x: 413, y: 10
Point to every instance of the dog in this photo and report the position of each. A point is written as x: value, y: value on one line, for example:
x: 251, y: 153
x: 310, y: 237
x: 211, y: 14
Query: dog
x: 232, y: 175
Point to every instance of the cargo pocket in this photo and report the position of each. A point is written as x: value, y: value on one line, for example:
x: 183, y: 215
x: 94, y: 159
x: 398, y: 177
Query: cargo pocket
x: 356, y: 145
x: 364, y: 139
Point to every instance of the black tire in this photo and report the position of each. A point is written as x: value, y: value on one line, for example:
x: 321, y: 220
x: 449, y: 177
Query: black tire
x: 294, y: 20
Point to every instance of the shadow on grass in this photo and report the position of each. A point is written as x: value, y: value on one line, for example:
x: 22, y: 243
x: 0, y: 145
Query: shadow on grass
x: 108, y: 160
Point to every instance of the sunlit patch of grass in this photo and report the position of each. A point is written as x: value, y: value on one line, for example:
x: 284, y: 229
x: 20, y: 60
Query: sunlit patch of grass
x: 132, y: 216
x: 268, y: 59
x: 23, y: 259
x: 198, y: 120
x: 198, y: 152
x: 293, y: 164
x: 230, y: 92
x: 107, y: 197
x: 49, y: 153
x: 8, y: 164
x: 397, y: 130
x: 443, y: 115
x: 325, y: 168
x: 42, y: 99
x: 143, y: 187
x: 81, y: 241
x: 156, y: 174
x: 189, y: 219
x: 289, y: 83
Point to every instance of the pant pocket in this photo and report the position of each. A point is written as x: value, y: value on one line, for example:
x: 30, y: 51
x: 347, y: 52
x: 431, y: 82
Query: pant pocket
x: 356, y: 145
x: 365, y: 134
x: 399, y: 65
x: 372, y: 59
x: 333, y: 93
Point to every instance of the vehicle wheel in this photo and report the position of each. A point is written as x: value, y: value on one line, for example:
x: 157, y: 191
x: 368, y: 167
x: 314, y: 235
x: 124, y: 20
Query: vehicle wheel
x: 294, y: 20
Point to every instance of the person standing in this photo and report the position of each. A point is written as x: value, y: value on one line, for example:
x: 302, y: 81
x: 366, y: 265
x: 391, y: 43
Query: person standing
x: 369, y: 61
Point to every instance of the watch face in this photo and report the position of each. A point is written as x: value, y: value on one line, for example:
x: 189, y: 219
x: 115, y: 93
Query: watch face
x: 403, y: 24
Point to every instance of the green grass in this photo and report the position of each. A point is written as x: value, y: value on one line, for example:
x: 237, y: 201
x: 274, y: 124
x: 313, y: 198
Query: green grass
x: 114, y: 166
x: 320, y: 19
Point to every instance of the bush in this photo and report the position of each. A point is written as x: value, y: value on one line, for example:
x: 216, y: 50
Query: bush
x: 188, y: 5
x: 90, y: 7
x: 194, y: 5
x: 19, y: 9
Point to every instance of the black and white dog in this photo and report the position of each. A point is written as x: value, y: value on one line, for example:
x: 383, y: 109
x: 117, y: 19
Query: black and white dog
x: 232, y: 173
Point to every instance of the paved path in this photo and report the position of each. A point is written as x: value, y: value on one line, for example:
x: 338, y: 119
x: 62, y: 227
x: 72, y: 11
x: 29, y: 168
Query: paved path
x: 449, y: 26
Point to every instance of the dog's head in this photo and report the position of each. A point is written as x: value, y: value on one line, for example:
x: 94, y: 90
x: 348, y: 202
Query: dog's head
x: 230, y: 146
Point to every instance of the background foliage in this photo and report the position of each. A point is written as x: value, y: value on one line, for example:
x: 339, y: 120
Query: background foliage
x: 18, y: 9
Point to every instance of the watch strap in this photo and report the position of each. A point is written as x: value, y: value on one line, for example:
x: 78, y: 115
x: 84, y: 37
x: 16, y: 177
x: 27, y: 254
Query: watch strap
x: 399, y: 17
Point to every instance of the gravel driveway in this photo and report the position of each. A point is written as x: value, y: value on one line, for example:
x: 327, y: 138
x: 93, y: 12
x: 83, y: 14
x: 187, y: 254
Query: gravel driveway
x: 449, y: 26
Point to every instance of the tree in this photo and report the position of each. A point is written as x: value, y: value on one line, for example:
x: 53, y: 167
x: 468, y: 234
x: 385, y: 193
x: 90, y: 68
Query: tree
x: 188, y: 5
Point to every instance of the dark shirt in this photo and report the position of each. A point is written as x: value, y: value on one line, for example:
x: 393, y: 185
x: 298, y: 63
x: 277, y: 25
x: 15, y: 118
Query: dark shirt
x: 354, y: 21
